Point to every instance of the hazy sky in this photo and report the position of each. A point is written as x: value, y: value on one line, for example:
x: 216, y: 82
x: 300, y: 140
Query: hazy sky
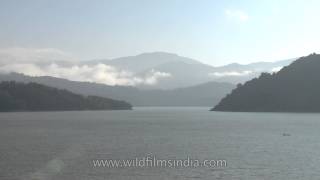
x: 214, y: 32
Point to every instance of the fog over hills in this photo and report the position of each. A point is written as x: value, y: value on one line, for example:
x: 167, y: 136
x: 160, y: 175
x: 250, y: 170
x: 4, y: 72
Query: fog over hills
x: 156, y: 70
x: 182, y: 71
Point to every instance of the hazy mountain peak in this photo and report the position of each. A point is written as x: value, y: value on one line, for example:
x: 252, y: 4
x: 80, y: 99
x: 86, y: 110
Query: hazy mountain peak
x: 157, y: 53
x: 161, y: 57
x: 145, y: 61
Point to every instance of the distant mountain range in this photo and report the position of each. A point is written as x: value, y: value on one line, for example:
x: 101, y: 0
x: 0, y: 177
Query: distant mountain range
x: 149, y: 79
x: 185, y: 72
x: 156, y: 70
x: 294, y: 88
x: 206, y: 94
x: 36, y: 97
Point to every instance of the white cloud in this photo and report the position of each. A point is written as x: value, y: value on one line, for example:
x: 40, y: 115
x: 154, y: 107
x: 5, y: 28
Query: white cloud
x: 153, y: 76
x: 57, y: 63
x: 276, y: 69
x: 230, y: 73
x: 99, y: 73
x: 238, y: 15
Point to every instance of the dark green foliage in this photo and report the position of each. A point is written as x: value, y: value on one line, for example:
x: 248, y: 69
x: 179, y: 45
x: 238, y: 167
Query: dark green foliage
x: 35, y: 97
x: 295, y: 88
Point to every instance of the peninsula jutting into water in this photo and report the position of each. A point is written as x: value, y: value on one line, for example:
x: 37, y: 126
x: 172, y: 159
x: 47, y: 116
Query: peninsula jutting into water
x: 36, y: 97
x: 294, y: 88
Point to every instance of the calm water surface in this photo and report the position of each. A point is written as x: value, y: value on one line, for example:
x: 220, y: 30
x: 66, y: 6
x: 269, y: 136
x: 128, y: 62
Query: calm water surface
x: 62, y: 145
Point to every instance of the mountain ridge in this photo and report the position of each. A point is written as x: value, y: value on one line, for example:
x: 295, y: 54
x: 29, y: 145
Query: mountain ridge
x: 191, y: 96
x: 186, y: 72
x: 294, y: 88
x: 155, y: 70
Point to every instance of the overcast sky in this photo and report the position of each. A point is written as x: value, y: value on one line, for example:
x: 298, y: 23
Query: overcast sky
x: 214, y: 32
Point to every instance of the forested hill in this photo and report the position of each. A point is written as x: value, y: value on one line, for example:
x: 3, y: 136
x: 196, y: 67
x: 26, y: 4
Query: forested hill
x: 36, y: 97
x: 295, y: 88
x: 206, y: 94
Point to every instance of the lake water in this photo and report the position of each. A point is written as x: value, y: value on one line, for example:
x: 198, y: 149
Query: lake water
x: 63, y: 145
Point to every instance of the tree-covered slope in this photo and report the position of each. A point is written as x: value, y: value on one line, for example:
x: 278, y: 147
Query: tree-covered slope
x: 206, y: 94
x: 36, y: 97
x: 295, y: 88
